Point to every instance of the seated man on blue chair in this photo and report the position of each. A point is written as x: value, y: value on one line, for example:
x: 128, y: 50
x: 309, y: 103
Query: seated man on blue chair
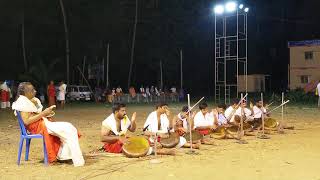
x: 61, y: 138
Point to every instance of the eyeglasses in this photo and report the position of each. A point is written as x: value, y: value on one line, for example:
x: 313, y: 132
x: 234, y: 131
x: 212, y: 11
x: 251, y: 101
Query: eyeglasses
x: 33, y: 90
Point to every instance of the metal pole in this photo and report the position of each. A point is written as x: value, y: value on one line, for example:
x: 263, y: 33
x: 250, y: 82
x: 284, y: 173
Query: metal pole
x: 107, y: 65
x: 237, y: 53
x: 241, y: 119
x: 282, y: 108
x: 161, y: 78
x: 87, y: 82
x: 288, y: 83
x: 262, y: 114
x: 189, y: 114
x: 262, y: 136
x: 215, y: 59
x: 225, y: 58
x: 83, y: 67
x: 181, y: 70
x: 103, y: 69
x: 246, y: 60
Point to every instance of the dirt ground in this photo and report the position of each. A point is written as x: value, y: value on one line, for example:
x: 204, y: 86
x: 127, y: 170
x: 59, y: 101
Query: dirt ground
x: 293, y: 155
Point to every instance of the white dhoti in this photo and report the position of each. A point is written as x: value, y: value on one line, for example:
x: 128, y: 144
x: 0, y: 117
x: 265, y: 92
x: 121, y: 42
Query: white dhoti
x: 67, y: 133
x: 61, y: 96
x: 182, y: 142
x: 70, y: 148
x: 5, y: 104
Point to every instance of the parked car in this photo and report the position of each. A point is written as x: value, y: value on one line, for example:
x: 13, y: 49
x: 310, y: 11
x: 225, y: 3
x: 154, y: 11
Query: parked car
x: 75, y: 92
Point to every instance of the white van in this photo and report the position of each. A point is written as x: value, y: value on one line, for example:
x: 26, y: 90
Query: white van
x: 75, y: 92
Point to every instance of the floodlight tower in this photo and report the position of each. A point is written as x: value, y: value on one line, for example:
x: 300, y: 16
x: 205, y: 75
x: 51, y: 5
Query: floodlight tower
x: 231, y: 53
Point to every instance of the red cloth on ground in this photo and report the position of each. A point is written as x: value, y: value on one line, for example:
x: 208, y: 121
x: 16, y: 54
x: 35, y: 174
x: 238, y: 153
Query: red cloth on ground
x: 113, y: 147
x: 52, y: 142
x: 204, y: 131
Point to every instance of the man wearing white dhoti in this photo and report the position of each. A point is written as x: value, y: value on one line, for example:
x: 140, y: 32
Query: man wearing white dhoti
x: 62, y: 94
x: 61, y: 137
x: 157, y: 123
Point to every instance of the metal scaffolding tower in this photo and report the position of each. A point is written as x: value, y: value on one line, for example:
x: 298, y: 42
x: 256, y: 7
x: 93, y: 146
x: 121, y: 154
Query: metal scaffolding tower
x: 231, y: 54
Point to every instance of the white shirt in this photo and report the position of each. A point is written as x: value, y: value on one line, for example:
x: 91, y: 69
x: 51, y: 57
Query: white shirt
x: 184, y: 121
x: 62, y: 92
x: 203, y: 120
x: 247, y: 112
x: 257, y: 112
x: 142, y: 90
x: 118, y: 90
x: 147, y: 90
x: 228, y: 112
x: 318, y: 87
x: 152, y: 123
x: 110, y: 123
x: 173, y: 90
x: 63, y: 88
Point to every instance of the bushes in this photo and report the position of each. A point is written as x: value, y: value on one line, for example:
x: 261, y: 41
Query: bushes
x: 299, y: 96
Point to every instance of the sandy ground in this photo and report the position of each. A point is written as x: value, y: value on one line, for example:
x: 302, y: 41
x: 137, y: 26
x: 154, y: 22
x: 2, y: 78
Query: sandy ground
x: 293, y: 155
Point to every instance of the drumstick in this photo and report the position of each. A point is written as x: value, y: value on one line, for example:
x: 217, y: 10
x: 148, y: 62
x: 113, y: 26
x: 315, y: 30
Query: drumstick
x: 279, y: 106
x: 190, y: 108
x: 144, y: 129
x: 234, y: 110
x: 269, y: 104
x: 274, y: 108
x: 189, y: 119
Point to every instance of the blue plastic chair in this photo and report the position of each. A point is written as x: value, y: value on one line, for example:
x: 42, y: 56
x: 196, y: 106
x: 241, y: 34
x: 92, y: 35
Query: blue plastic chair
x: 26, y: 136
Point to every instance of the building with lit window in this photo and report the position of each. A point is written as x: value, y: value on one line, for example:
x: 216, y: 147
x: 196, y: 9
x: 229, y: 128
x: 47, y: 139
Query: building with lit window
x: 304, y: 66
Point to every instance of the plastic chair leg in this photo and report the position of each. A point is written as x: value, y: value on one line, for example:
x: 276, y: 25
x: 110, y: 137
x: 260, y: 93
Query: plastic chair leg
x: 27, y: 149
x: 20, y: 149
x: 45, y: 154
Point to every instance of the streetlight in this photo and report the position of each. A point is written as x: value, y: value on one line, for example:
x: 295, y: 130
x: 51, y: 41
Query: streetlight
x: 231, y: 6
x: 218, y: 9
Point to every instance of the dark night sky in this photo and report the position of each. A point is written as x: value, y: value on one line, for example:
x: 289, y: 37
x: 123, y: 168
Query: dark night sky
x: 162, y: 30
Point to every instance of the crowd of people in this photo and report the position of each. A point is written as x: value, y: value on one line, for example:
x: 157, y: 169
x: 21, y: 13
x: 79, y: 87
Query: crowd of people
x: 62, y: 137
x: 144, y: 94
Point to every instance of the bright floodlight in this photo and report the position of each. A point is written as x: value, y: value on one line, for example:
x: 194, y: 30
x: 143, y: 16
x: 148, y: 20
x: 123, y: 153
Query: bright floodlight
x: 241, y: 6
x: 246, y: 10
x: 218, y: 9
x: 231, y: 6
